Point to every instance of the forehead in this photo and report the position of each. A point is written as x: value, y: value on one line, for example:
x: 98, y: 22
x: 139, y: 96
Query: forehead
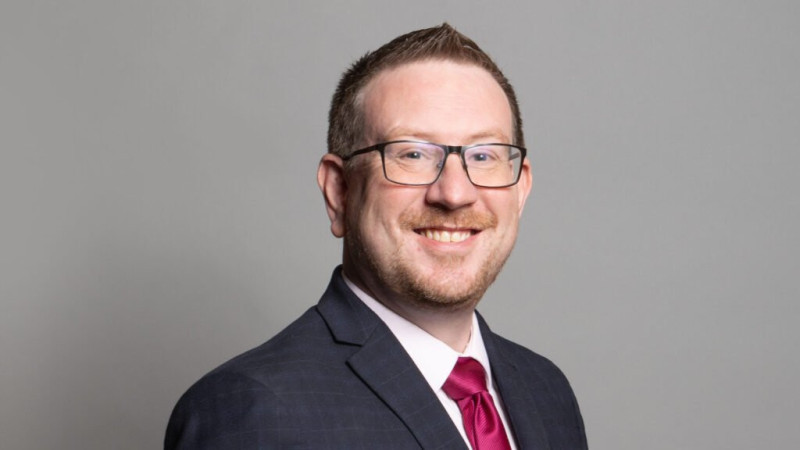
x: 442, y: 101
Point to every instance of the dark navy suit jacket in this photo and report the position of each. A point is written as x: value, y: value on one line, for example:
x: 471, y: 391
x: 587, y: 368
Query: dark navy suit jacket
x: 338, y: 378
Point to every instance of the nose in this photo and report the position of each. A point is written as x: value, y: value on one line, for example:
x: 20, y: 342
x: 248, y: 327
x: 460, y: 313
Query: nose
x: 453, y: 189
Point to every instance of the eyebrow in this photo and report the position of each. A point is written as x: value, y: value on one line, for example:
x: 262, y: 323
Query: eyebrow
x: 488, y: 135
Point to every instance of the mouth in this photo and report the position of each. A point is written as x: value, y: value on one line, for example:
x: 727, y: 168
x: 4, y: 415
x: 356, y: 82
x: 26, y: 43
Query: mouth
x: 442, y: 235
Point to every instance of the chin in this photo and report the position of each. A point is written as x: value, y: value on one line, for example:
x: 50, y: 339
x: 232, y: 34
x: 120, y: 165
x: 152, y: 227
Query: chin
x: 453, y: 292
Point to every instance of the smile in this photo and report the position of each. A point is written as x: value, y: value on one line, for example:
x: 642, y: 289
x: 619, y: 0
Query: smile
x: 445, y: 235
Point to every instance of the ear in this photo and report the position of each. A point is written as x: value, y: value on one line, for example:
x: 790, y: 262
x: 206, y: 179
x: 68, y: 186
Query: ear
x: 525, y: 184
x: 331, y: 180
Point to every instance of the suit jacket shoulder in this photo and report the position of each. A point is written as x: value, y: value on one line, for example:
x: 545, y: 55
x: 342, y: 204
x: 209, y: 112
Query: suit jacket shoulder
x: 538, y: 398
x: 334, y: 378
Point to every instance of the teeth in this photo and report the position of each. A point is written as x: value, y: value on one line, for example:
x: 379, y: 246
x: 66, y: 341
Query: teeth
x: 447, y: 236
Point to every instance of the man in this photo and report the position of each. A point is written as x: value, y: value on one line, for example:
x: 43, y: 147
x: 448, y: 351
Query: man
x: 425, y: 181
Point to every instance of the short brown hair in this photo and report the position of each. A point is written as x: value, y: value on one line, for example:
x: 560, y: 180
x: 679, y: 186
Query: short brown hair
x: 345, y: 119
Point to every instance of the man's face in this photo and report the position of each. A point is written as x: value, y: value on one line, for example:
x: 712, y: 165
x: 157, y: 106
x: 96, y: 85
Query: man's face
x: 437, y: 246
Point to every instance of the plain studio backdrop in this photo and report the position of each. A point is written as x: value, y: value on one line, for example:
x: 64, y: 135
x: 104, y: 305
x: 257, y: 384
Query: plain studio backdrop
x: 160, y: 212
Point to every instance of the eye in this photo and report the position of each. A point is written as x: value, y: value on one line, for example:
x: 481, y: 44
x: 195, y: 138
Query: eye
x: 483, y: 155
x: 411, y: 154
x: 480, y: 157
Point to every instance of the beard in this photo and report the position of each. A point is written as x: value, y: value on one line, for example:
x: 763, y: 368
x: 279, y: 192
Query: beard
x: 449, y: 287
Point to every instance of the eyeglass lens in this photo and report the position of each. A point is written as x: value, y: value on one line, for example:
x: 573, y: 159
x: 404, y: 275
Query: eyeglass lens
x: 491, y: 165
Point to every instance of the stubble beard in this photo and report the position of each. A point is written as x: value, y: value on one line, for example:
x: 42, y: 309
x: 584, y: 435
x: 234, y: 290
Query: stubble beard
x: 445, y: 290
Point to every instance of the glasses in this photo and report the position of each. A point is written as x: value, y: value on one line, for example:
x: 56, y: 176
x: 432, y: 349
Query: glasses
x: 417, y: 163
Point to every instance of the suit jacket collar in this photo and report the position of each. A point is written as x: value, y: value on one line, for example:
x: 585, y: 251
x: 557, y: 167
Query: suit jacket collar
x: 386, y: 368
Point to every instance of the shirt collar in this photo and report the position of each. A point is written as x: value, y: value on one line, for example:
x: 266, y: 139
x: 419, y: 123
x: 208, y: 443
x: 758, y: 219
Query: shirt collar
x: 433, y: 358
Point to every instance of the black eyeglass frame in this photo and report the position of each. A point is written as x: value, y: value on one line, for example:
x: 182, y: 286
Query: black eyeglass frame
x: 448, y: 149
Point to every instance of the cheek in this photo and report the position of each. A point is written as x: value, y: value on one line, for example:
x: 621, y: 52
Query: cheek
x: 379, y: 215
x: 504, y: 205
x: 371, y: 217
x: 381, y: 204
x: 361, y: 200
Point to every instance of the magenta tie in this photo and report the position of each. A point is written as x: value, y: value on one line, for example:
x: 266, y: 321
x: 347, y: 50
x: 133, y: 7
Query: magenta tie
x: 467, y: 386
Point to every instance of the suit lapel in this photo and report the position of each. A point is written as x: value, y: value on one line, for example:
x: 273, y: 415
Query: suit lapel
x: 386, y: 368
x: 516, y: 393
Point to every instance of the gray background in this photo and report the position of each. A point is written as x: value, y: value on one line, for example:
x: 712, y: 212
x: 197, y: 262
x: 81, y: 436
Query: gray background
x: 160, y: 212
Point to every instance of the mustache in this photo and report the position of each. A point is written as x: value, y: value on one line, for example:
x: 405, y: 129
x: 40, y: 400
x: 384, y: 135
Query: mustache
x: 439, y: 218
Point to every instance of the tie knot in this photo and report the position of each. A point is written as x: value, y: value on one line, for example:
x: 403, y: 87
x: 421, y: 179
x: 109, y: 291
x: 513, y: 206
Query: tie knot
x: 467, y: 378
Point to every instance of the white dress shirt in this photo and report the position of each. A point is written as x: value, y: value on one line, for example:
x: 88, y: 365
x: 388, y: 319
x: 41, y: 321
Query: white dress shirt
x: 435, y: 359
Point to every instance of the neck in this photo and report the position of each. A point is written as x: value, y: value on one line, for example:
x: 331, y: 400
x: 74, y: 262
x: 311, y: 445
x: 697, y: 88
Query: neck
x: 453, y: 327
x: 451, y: 324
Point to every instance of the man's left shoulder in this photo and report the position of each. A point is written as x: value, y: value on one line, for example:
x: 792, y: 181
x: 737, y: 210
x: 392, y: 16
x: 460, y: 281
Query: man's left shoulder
x: 520, y: 356
x: 526, y: 378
